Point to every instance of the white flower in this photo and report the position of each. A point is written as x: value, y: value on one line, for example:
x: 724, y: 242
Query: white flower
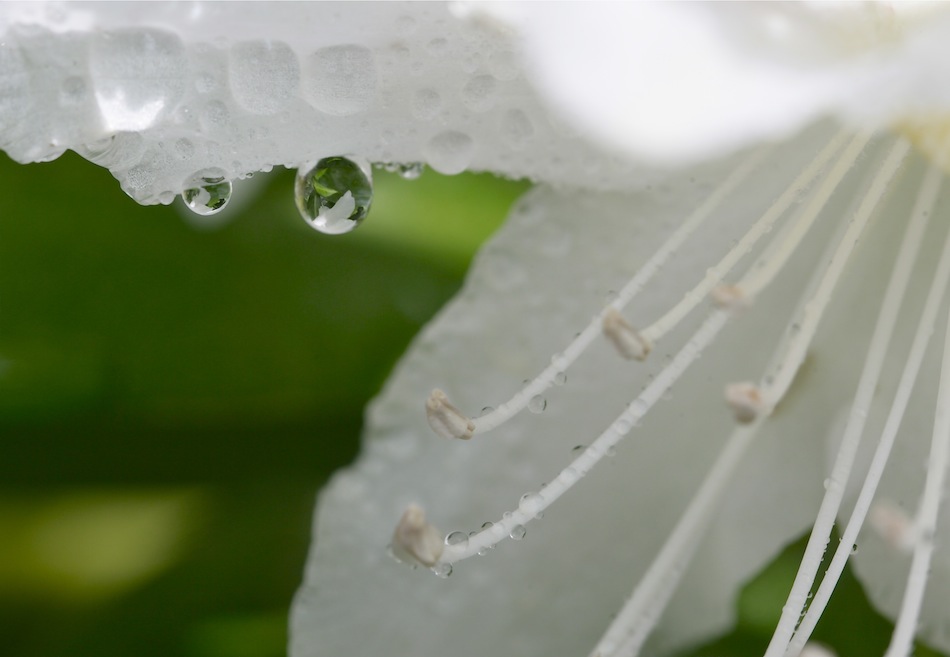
x: 825, y: 271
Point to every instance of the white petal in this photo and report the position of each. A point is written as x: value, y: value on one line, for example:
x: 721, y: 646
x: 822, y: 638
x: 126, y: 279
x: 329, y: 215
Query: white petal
x: 678, y: 82
x: 537, y: 283
x: 156, y: 92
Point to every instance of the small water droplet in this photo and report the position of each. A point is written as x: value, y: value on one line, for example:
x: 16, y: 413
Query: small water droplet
x: 207, y: 192
x: 410, y: 171
x: 531, y: 504
x: 457, y: 538
x: 826, y: 483
x: 560, y: 378
x: 611, y: 451
x: 537, y: 404
x: 517, y: 532
x: 442, y: 570
x: 577, y: 449
x: 611, y: 296
x: 854, y: 549
x: 487, y: 409
x: 488, y: 524
x: 334, y: 195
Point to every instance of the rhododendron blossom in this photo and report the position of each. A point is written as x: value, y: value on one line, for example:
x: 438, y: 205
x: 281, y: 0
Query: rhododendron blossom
x: 716, y: 323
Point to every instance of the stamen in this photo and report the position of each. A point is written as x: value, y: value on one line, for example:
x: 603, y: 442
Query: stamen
x: 415, y: 540
x: 762, y: 226
x: 602, y: 446
x: 923, y: 209
x: 641, y: 612
x: 585, y: 338
x: 791, y: 612
x: 745, y: 400
x: 445, y: 419
x: 906, y: 625
x: 624, y: 337
x: 777, y: 253
x: 663, y: 381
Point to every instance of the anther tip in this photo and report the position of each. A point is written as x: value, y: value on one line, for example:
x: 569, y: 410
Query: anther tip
x: 629, y: 342
x: 729, y: 297
x: 415, y: 539
x: 745, y: 400
x: 447, y: 420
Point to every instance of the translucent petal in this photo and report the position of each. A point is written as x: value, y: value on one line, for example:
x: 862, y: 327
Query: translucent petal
x: 156, y: 91
x: 537, y: 283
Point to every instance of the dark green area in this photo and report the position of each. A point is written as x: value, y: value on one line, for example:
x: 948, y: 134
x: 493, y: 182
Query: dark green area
x: 227, y: 371
x: 140, y: 353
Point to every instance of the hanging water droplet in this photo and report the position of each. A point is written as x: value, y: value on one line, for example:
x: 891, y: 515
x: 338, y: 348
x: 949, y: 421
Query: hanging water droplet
x: 207, y: 192
x: 517, y: 532
x: 410, y: 171
x: 537, y: 404
x: 334, y: 195
x: 560, y: 378
x: 487, y: 409
x: 442, y: 570
x: 577, y: 449
x: 457, y: 538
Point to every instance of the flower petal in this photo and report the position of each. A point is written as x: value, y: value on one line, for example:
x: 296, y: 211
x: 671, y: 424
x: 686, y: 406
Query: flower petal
x: 538, y: 282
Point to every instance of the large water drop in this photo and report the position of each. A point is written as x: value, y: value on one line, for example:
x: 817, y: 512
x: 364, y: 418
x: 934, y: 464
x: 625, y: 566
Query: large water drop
x: 207, y: 192
x: 334, y: 195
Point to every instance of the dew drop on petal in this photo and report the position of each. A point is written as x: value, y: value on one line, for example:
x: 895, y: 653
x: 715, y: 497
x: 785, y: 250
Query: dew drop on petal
x: 537, y: 404
x: 450, y: 152
x: 207, y: 192
x: 457, y: 538
x: 334, y: 194
x: 518, y: 532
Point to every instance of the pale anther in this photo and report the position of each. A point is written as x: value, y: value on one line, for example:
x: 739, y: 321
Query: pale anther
x: 628, y: 341
x: 893, y: 525
x: 729, y: 297
x: 745, y: 400
x: 415, y: 540
x: 447, y: 420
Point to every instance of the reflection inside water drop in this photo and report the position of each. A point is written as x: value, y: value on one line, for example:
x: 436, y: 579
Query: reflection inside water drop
x: 207, y: 192
x: 334, y: 194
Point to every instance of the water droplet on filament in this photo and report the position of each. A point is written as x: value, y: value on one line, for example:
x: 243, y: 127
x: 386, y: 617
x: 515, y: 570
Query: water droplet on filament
x: 334, y: 195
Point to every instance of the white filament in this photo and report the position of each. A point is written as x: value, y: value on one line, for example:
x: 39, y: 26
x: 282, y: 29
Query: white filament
x: 644, y: 608
x: 922, y: 211
x: 906, y: 625
x: 691, y: 299
x: 791, y: 612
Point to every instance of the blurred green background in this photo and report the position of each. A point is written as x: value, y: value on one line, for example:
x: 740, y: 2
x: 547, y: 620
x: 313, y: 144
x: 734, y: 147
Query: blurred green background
x: 173, y: 395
